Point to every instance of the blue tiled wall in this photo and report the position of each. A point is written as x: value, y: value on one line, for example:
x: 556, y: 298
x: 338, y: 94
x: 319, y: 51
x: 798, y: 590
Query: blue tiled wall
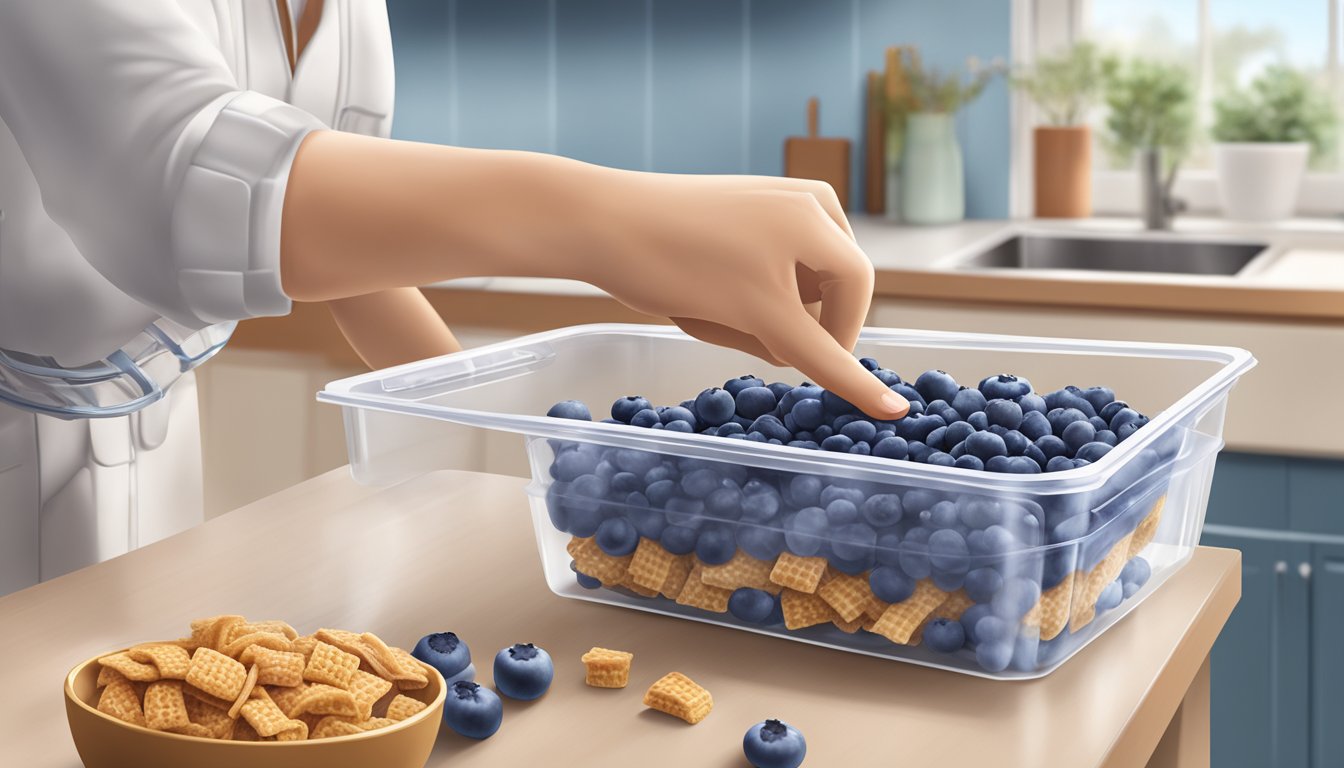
x: 683, y: 85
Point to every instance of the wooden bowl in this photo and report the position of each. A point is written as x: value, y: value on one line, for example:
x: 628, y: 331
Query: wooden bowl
x: 106, y: 742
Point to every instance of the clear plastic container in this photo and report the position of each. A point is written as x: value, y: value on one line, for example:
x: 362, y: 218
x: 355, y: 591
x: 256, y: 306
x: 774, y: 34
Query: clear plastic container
x: 1044, y: 553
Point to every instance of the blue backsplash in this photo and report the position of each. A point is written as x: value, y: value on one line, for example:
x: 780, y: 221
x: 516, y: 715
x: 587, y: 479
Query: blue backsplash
x: 684, y: 85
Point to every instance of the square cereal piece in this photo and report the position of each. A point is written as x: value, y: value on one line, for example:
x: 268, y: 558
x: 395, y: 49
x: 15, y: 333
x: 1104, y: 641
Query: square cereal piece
x: 172, y: 661
x: 413, y: 676
x: 214, y: 632
x: 285, y: 697
x: 801, y: 574
x: 899, y: 622
x: 1089, y: 589
x: 742, y: 570
x: 304, y: 646
x: 803, y: 610
x: 848, y: 595
x: 1147, y: 529
x: 130, y: 669
x: 119, y: 700
x: 698, y: 594
x: 1051, y: 612
x: 272, y: 640
x: 590, y: 560
x: 283, y: 668
x: 213, y: 719
x: 677, y: 574
x: 630, y: 585
x: 679, y: 696
x: 165, y: 707
x: 404, y: 706
x: 850, y: 627
x: 650, y: 565
x: 607, y: 668
x: 331, y: 666
x: 267, y: 719
x: 367, y: 689
x: 108, y: 675
x: 216, y: 674
x: 322, y: 699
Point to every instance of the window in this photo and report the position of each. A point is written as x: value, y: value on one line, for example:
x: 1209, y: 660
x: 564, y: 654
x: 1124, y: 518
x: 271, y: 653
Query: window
x: 1223, y: 44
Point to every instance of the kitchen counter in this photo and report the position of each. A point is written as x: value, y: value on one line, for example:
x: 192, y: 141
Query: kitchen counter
x: 455, y: 550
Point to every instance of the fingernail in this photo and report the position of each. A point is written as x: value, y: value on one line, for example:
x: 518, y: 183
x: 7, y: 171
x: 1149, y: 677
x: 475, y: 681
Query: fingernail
x: 895, y: 403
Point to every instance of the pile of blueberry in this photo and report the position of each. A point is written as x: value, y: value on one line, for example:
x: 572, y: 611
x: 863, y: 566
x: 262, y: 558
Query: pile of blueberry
x: 522, y: 671
x: 1001, y: 425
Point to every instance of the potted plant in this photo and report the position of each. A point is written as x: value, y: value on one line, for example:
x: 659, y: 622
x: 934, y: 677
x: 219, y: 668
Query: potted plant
x: 1151, y: 116
x: 932, y: 182
x: 1264, y: 136
x: 1064, y: 88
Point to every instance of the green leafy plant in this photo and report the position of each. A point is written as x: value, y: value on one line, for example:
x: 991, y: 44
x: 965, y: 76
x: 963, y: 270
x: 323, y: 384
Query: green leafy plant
x: 1150, y: 106
x: 1281, y: 105
x: 934, y: 90
x: 1065, y: 87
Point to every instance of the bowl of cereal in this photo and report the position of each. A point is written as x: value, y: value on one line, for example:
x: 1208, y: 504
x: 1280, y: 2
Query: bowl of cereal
x: 256, y: 694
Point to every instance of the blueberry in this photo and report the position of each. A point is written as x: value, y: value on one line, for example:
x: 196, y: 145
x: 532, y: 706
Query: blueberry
x: 724, y: 503
x: 677, y: 413
x: 699, y: 483
x: 1035, y: 425
x: 571, y: 465
x: 1129, y: 428
x: 882, y: 509
x: 940, y: 459
x: 860, y: 431
x: 968, y: 461
x: 1005, y: 413
x: 761, y: 506
x: 687, y: 512
x: 797, y: 394
x: 736, y: 386
x: 587, y: 582
x: 729, y: 429
x: 837, y: 443
x: 1110, y: 597
x: 679, y: 539
x: 805, y: 490
x: 679, y: 426
x: 992, y: 630
x: 890, y: 378
x: 971, y: 618
x: 986, y: 445
x: 645, y: 418
x: 1093, y: 451
x: 944, y: 635
x: 994, y: 656
x: 1005, y: 386
x: 617, y: 537
x: 1018, y: 596
x: 911, y: 395
x: 808, y: 414
x: 936, y: 385
x: 836, y: 405
x: 853, y: 541
x: 716, y: 545
x: 472, y: 711
x: 755, y: 401
x: 659, y: 492
x: 1098, y: 423
x: 995, y: 540
x: 1134, y: 575
x: 774, y: 744
x: 841, y: 512
x: 915, y: 557
x: 444, y: 651
x: 771, y: 427
x: 1108, y: 437
x: 803, y: 531
x: 1026, y: 648
x: 892, y: 448
x: 968, y: 401
x: 1033, y: 403
x: 763, y: 542
x: 1052, y: 446
x: 861, y: 449
x: 751, y: 605
x: 1099, y: 397
x: 978, y: 420
x: 936, y: 439
x: 1015, y: 442
x: 779, y: 388
x: 1060, y: 418
x: 890, y: 584
x: 625, y: 408
x: 982, y: 584
x: 650, y: 523
x: 1109, y: 411
x: 948, y: 551
x: 1077, y: 434
x: 523, y: 671
x: 714, y: 406
x: 570, y: 409
x: 1034, y: 453
x: 1016, y: 465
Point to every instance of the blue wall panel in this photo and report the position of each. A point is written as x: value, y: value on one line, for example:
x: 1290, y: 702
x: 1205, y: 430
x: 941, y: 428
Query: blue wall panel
x: 601, y: 80
x: 699, y: 86
x: 709, y: 86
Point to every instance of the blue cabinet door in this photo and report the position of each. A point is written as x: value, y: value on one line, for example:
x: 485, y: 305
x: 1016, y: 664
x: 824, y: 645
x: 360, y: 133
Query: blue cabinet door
x: 1327, y: 656
x: 1260, y: 689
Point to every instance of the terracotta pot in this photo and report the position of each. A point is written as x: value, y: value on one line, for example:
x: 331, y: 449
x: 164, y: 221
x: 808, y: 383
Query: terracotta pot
x: 1063, y: 172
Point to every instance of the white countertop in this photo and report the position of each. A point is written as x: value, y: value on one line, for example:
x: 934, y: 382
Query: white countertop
x: 1307, y: 253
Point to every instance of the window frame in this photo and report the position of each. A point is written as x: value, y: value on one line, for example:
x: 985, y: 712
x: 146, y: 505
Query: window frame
x: 1043, y: 27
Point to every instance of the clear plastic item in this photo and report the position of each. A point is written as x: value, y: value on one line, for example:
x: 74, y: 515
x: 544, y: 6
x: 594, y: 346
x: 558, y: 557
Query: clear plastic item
x: 1049, y: 560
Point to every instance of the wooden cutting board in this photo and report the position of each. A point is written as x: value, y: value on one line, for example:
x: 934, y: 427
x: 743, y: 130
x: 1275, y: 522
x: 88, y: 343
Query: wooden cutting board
x: 814, y: 157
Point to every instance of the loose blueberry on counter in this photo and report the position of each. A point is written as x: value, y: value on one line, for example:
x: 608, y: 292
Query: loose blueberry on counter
x: 444, y: 651
x: 523, y: 671
x: 944, y: 635
x: 570, y: 409
x: 774, y: 744
x: 1134, y: 575
x: 472, y: 711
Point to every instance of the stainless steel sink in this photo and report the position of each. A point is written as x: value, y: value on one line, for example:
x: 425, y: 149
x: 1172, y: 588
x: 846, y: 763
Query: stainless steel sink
x: 1113, y: 254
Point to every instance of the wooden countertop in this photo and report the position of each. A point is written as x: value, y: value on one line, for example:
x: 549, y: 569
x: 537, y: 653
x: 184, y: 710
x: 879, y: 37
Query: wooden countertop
x: 456, y: 551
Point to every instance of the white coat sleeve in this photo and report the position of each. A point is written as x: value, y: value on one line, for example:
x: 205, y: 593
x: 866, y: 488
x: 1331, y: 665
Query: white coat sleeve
x: 167, y: 176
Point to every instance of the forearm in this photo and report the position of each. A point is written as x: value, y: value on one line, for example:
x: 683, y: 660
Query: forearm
x: 393, y: 327
x: 364, y: 215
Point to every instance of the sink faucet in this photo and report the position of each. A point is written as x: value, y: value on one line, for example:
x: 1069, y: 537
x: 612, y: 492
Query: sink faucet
x: 1159, y: 206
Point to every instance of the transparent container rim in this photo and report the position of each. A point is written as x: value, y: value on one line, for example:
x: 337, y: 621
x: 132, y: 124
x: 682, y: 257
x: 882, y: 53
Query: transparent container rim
x: 355, y: 392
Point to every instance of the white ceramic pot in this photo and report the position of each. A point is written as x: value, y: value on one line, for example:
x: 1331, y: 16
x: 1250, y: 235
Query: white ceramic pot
x: 1260, y: 181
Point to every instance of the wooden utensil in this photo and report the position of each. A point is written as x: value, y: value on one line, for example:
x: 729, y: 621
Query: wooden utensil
x: 814, y: 157
x: 875, y: 145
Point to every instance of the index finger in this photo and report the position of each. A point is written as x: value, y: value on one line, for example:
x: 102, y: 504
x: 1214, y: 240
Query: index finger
x: 797, y: 339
